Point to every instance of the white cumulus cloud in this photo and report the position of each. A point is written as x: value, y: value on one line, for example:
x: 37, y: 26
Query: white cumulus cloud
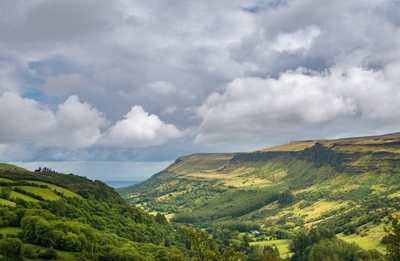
x: 139, y: 128
x: 73, y: 124
x: 251, y: 108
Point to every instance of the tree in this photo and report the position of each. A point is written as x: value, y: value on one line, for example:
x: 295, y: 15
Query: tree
x: 333, y: 250
x: 12, y: 218
x: 350, y: 229
x: 49, y: 254
x: 11, y: 249
x: 393, y: 247
x: 364, y: 255
x: 285, y: 198
x: 5, y: 192
x: 299, y: 244
x: 160, y: 218
x: 266, y: 253
x: 302, y: 243
x: 201, y: 244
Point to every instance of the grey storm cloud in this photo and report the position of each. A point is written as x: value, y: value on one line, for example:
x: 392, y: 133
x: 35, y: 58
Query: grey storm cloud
x: 84, y: 77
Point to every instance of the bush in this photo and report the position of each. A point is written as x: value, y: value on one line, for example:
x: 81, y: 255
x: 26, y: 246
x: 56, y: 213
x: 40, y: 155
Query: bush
x: 385, y: 239
x: 49, y: 254
x: 29, y: 252
x: 350, y: 229
x: 11, y: 249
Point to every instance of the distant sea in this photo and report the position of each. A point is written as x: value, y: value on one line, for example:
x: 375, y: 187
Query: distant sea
x: 121, y: 183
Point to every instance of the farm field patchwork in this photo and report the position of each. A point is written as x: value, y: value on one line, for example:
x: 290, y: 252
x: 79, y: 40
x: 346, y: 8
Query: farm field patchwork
x: 47, y: 194
x: 66, y: 192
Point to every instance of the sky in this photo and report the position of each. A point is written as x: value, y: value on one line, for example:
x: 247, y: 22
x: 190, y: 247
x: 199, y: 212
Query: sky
x: 118, y: 89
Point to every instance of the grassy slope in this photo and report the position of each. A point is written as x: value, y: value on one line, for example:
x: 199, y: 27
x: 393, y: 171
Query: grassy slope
x: 282, y: 245
x: 329, y: 180
x: 46, y: 194
x: 103, y: 203
x: 5, y: 166
x: 6, y: 202
x: 14, y: 195
x: 66, y: 192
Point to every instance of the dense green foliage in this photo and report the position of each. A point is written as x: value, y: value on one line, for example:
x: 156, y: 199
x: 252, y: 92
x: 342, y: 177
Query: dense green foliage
x: 285, y: 198
x: 321, y: 244
x: 11, y: 249
x: 231, y: 204
x: 100, y: 225
x: 393, y: 247
x: 202, y: 245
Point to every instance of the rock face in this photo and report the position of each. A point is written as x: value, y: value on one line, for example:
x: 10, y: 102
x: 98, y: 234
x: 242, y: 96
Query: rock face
x: 343, y: 156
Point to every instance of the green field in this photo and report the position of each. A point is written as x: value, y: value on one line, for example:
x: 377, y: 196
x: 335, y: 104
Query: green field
x: 167, y: 216
x: 364, y: 242
x: 282, y: 245
x: 66, y: 192
x: 10, y: 230
x: 45, y: 193
x: 15, y: 195
x: 7, y: 202
x: 5, y: 180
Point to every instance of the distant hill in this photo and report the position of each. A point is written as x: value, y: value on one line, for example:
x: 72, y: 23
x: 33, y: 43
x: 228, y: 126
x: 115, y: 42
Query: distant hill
x: 68, y: 217
x: 342, y: 184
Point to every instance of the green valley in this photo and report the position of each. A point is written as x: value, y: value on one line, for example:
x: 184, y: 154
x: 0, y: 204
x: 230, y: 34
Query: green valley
x: 349, y: 186
x: 305, y: 200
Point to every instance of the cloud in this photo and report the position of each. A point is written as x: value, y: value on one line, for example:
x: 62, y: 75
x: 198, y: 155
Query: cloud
x: 162, y: 87
x: 140, y: 128
x: 297, y: 41
x: 48, y: 21
x: 79, y: 122
x: 8, y: 81
x: 258, y: 108
x: 73, y: 124
x: 234, y: 63
x: 66, y: 84
x: 171, y: 109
